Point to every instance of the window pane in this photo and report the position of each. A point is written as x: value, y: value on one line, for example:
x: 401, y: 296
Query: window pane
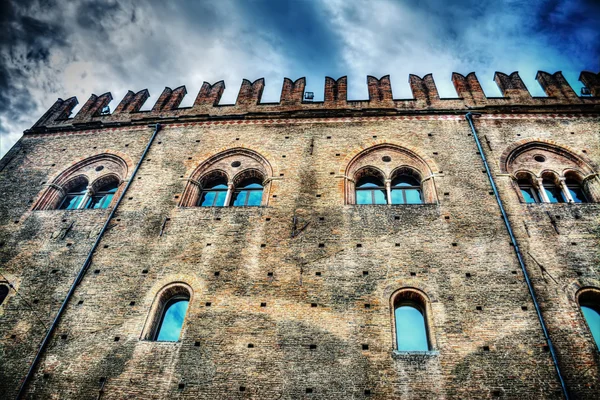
x: 405, y: 180
x: 592, y: 317
x: 528, y: 195
x: 413, y: 196
x: 71, y: 202
x: 369, y: 181
x: 207, y: 199
x: 220, y: 201
x: 577, y: 195
x: 363, y: 197
x: 397, y: 197
x: 254, y: 197
x: 239, y: 198
x: 554, y: 194
x: 379, y: 196
x: 172, y: 322
x: 410, y: 329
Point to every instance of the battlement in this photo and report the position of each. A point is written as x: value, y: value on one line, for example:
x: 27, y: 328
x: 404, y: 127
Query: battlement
x: 560, y: 95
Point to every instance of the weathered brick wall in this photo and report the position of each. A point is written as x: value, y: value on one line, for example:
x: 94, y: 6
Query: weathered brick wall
x: 431, y: 247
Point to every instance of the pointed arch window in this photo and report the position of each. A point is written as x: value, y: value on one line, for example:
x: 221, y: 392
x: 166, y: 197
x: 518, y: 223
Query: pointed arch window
x: 589, y: 303
x: 552, y: 191
x: 103, y: 196
x: 575, y: 188
x: 76, y: 197
x: 248, y: 193
x: 370, y: 187
x: 406, y: 190
x: 214, y: 194
x: 528, y: 191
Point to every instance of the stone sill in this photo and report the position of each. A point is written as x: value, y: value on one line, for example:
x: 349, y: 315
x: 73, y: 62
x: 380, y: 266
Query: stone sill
x: 414, y: 354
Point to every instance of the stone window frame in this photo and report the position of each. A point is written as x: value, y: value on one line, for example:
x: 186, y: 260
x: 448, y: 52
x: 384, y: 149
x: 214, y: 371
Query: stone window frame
x: 583, y: 170
x: 164, y: 297
x: 422, y: 168
x: 588, y: 291
x: 87, y: 169
x: 222, y: 164
x: 421, y: 301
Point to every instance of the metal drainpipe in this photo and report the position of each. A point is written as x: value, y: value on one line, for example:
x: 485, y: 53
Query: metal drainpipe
x: 469, y: 117
x: 82, y: 271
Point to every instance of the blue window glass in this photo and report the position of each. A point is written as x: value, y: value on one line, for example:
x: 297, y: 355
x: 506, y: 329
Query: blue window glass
x: 592, y: 317
x: 411, y: 333
x: 406, y: 190
x: 576, y: 191
x: 103, y: 197
x: 172, y: 320
x: 370, y: 190
x: 74, y: 197
x: 527, y: 191
x: 214, y: 195
x: 553, y: 192
x: 248, y: 193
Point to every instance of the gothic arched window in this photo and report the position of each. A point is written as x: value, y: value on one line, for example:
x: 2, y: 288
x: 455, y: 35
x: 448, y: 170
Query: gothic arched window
x: 589, y: 302
x: 248, y: 193
x: 370, y: 189
x: 406, y: 189
x: 74, y: 199
x: 214, y: 194
x: 102, y: 197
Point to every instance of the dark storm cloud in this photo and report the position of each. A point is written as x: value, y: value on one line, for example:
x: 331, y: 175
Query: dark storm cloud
x: 60, y: 48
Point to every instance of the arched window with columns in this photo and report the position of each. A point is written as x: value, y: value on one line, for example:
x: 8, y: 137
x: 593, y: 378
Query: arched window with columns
x: 545, y: 172
x: 87, y: 184
x: 237, y: 177
x: 389, y: 174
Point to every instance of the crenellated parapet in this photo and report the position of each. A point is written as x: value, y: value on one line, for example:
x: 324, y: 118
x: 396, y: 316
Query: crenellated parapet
x: 426, y: 98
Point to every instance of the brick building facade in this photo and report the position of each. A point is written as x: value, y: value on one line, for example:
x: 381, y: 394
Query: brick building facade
x: 295, y: 298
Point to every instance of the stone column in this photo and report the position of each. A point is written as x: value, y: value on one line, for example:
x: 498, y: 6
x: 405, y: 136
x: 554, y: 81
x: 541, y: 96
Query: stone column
x: 229, y: 194
x: 539, y: 186
x: 565, y: 190
x: 388, y: 190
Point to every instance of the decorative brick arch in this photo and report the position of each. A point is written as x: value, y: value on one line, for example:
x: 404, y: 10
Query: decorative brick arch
x: 233, y: 165
x: 93, y: 171
x: 389, y: 159
x: 543, y: 158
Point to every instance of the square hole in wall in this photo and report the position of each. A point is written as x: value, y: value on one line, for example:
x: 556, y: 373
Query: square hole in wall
x: 80, y: 302
x: 250, y: 346
x: 144, y: 271
x: 208, y: 304
x: 486, y: 348
x: 196, y: 344
x: 54, y: 271
x: 181, y: 386
x: 242, y: 388
x: 36, y: 301
x: 117, y: 338
x: 96, y: 271
x: 263, y: 245
x: 468, y: 274
x: 309, y: 390
x: 312, y: 347
x: 269, y: 274
x: 365, y: 347
x: 524, y: 308
x: 365, y: 273
x: 367, y: 392
x: 358, y: 245
x: 217, y: 273
x: 367, y: 305
x: 321, y: 245
x: 313, y: 305
x: 132, y: 303
x: 318, y: 273
x: 479, y: 308
x: 413, y: 274
x: 263, y: 304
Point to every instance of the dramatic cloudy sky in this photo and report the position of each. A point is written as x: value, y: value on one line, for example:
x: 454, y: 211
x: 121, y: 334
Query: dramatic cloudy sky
x: 63, y: 48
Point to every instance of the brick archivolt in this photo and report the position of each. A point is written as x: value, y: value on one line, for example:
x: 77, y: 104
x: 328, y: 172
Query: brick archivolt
x: 232, y: 166
x: 387, y: 161
x: 95, y: 171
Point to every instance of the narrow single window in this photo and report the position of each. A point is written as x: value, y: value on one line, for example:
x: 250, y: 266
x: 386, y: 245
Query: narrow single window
x: 577, y: 193
x: 552, y: 191
x: 3, y: 293
x: 411, y: 333
x: 370, y: 190
x: 172, y: 319
x: 103, y: 197
x: 248, y: 193
x: 74, y: 197
x: 406, y: 190
x: 589, y: 302
x: 528, y: 191
x: 214, y: 194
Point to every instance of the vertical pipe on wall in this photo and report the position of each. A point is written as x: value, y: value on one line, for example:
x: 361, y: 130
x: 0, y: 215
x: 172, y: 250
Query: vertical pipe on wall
x: 469, y: 117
